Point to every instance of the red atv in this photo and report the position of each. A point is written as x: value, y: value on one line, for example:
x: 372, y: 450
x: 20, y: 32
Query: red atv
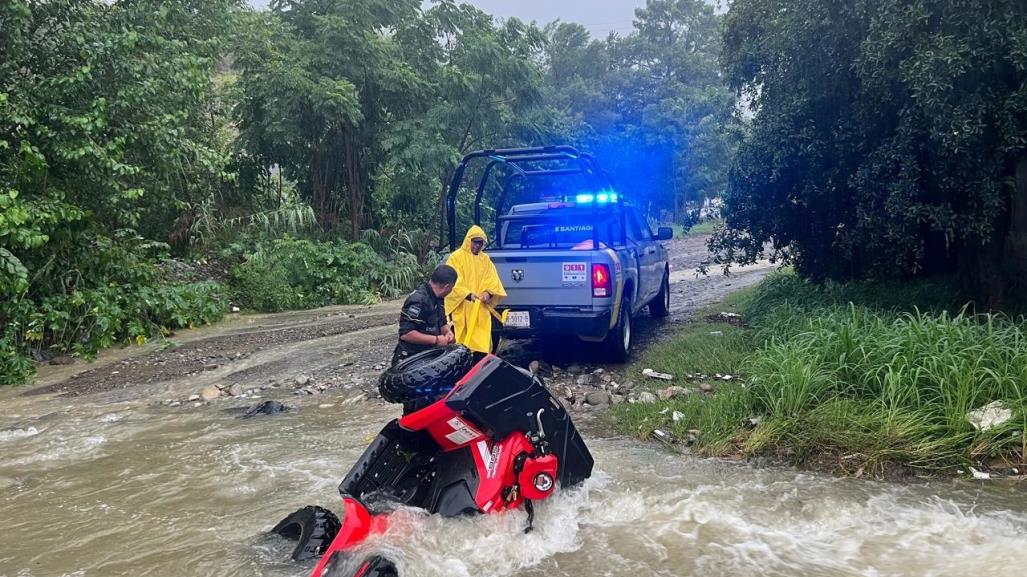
x: 494, y: 440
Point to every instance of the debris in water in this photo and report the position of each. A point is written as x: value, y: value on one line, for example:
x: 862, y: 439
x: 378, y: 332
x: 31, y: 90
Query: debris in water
x: 266, y: 408
x: 980, y: 475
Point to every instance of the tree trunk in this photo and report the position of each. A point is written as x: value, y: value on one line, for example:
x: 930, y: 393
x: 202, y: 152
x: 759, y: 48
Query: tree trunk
x: 1016, y: 240
x: 1001, y: 264
x: 354, y: 188
x: 319, y: 191
x: 440, y: 209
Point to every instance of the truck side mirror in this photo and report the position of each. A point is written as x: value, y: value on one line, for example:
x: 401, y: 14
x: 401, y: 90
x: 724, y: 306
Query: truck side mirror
x: 664, y: 233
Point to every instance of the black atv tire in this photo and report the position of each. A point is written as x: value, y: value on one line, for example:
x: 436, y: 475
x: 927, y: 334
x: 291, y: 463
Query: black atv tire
x: 618, y: 341
x: 432, y: 369
x: 313, y: 527
x: 376, y: 566
x: 660, y: 305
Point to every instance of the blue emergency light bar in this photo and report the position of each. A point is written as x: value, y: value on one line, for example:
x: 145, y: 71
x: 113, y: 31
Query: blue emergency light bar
x: 601, y: 198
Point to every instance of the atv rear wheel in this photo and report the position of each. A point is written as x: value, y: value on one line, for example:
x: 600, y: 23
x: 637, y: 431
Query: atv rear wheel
x: 375, y: 566
x: 313, y: 527
x: 425, y: 374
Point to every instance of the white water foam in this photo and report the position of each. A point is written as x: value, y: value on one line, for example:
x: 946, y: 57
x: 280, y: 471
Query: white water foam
x: 12, y: 434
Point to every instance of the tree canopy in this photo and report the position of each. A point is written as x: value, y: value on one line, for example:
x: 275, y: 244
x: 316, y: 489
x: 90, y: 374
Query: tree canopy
x: 885, y: 139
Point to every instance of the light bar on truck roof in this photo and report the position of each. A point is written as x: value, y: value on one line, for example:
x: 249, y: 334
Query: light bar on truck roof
x: 600, y: 198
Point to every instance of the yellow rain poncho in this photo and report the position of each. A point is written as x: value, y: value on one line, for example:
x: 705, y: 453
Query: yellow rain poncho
x: 475, y: 275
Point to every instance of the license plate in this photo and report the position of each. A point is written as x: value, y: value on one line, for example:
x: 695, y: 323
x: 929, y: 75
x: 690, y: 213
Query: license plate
x: 518, y: 319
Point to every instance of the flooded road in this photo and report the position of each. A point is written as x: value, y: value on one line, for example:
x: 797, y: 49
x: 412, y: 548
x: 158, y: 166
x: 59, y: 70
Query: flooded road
x: 133, y: 488
x: 111, y: 480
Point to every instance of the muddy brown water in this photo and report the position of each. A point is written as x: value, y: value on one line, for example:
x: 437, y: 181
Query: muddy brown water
x: 113, y: 482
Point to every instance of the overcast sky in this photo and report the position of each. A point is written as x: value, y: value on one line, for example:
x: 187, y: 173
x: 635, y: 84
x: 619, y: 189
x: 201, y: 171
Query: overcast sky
x: 599, y: 16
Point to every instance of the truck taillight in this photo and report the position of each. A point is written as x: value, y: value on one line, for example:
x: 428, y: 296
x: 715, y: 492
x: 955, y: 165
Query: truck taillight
x: 601, y: 281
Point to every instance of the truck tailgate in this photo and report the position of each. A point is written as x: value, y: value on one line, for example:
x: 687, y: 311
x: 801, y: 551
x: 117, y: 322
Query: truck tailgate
x: 551, y: 278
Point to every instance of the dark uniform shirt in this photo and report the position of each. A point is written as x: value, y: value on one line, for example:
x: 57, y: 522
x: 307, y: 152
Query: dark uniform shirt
x: 422, y: 312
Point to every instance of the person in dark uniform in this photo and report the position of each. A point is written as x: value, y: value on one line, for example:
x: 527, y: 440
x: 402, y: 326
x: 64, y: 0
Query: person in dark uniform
x: 422, y: 322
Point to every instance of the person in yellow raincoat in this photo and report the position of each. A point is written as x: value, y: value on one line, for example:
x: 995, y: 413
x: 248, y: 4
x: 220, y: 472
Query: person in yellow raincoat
x: 477, y: 289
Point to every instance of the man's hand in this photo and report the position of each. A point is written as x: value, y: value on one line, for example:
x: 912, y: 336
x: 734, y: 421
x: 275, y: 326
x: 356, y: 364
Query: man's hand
x: 448, y: 339
x: 472, y: 297
x: 486, y: 297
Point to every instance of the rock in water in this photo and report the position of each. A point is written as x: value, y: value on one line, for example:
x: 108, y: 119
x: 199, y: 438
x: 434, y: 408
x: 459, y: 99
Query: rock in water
x: 265, y: 408
x: 210, y: 393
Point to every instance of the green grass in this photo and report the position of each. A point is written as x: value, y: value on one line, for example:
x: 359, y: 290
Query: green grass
x: 857, y: 377
x: 700, y: 229
x: 707, y: 227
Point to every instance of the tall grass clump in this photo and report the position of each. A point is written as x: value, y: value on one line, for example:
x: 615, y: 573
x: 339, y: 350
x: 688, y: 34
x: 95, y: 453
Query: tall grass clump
x: 854, y: 377
x: 908, y: 380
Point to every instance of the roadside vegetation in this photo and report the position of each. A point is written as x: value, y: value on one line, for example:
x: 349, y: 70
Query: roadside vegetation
x: 704, y: 228
x: 863, y: 378
x: 162, y: 163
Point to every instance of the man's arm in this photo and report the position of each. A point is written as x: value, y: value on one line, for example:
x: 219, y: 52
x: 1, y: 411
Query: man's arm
x: 419, y: 338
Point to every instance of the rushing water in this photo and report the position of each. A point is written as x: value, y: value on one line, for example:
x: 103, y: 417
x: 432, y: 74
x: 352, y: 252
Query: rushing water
x: 107, y: 488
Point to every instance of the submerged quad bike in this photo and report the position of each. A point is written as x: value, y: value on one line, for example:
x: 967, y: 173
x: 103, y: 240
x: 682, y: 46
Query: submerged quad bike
x: 495, y: 440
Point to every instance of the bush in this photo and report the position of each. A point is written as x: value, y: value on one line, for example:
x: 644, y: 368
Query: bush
x: 290, y: 273
x: 101, y: 291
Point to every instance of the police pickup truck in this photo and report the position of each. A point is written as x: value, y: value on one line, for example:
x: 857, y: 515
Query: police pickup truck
x: 575, y: 258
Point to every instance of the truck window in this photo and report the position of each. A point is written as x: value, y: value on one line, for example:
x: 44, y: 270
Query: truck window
x: 546, y: 231
x: 644, y: 224
x: 638, y: 228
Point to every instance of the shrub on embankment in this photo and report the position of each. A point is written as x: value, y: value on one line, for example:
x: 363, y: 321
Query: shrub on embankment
x: 850, y: 377
x: 289, y: 273
x: 97, y: 292
x: 100, y: 292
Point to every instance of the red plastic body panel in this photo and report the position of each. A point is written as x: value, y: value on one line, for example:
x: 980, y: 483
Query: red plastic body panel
x: 537, y: 466
x: 357, y: 524
x: 495, y: 471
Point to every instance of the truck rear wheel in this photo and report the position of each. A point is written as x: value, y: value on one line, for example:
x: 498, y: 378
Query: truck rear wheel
x: 618, y: 341
x: 660, y: 306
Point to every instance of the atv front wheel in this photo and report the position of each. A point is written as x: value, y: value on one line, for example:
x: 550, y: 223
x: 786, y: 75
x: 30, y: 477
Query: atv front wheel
x: 425, y: 374
x: 313, y: 527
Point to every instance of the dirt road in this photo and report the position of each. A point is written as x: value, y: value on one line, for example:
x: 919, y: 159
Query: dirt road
x: 337, y: 347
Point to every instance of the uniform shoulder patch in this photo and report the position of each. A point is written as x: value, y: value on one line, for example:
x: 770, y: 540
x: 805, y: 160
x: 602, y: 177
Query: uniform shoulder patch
x: 413, y: 310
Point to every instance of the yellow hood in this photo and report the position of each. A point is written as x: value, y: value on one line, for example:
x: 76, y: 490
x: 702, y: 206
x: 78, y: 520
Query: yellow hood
x: 475, y: 274
x: 473, y: 233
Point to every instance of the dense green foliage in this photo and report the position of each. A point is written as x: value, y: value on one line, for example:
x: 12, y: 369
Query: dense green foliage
x: 292, y: 273
x: 652, y: 105
x: 852, y: 375
x: 104, y: 127
x: 217, y: 129
x: 885, y: 139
